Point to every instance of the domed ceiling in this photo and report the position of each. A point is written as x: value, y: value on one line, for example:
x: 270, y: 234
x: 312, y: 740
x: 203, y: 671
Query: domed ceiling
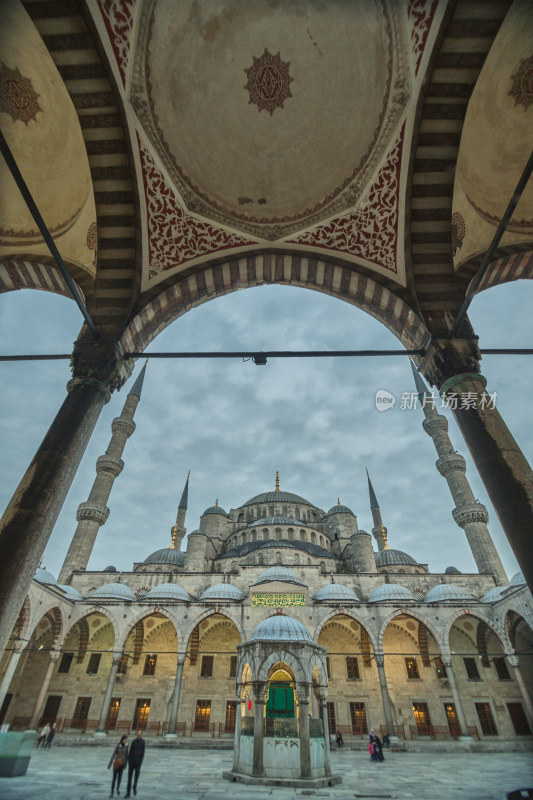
x: 267, y: 116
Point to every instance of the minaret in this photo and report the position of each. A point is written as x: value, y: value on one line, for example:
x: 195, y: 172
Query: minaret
x: 179, y: 530
x: 94, y: 513
x: 469, y: 514
x: 379, y: 531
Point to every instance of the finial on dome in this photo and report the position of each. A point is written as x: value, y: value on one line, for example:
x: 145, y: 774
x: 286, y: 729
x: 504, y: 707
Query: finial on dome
x: 216, y: 503
x: 174, y: 532
x: 277, y: 481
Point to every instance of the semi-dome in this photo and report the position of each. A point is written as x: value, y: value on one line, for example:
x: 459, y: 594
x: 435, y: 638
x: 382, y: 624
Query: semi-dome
x: 43, y: 576
x: 338, y: 509
x: 276, y: 497
x: 168, y: 591
x: 110, y: 568
x: 279, y: 574
x: 387, y: 558
x: 391, y: 591
x: 215, y: 510
x: 335, y: 592
x: 447, y: 591
x: 222, y: 591
x: 167, y: 555
x: 255, y: 523
x: 493, y: 595
x: 452, y: 571
x: 280, y: 628
x: 518, y: 579
x: 70, y: 592
x: 113, y: 591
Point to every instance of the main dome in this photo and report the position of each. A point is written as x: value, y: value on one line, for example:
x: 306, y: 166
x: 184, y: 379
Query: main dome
x: 167, y: 555
x: 280, y: 628
x: 276, y: 497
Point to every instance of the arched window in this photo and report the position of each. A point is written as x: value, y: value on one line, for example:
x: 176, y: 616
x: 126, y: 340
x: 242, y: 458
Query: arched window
x: 260, y: 558
x: 265, y: 534
x: 297, y: 512
x: 284, y: 512
x: 254, y: 536
x: 303, y: 537
x: 296, y: 559
x: 264, y: 512
x: 313, y: 537
x: 278, y: 557
x: 241, y: 517
x: 291, y: 534
x: 322, y: 566
x: 243, y: 538
x: 258, y: 511
x: 308, y: 560
x: 278, y: 534
x: 308, y: 515
x: 271, y: 511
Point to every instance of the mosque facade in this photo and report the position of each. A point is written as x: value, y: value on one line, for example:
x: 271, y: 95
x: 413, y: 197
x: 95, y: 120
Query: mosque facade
x: 420, y: 654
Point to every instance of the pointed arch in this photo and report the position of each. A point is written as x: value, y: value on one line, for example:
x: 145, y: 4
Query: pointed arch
x: 347, y: 612
x: 84, y: 614
x: 187, y: 633
x: 497, y: 627
x: 437, y: 633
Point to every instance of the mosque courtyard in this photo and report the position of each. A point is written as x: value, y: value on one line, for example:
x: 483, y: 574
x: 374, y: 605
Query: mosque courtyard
x: 73, y: 773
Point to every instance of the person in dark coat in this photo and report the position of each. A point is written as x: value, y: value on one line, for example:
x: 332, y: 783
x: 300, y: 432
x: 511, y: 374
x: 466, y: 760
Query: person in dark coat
x: 375, y: 741
x: 120, y: 753
x: 50, y: 737
x: 135, y: 760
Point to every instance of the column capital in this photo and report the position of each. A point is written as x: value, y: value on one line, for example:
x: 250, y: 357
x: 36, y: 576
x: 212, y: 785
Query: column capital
x: 447, y: 357
x: 99, y: 363
x: 54, y: 655
x: 446, y: 659
x: 513, y: 661
x: 182, y: 655
x: 379, y: 658
x: 259, y: 691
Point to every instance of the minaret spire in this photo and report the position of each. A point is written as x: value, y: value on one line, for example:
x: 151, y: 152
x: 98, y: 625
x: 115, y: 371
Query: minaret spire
x: 379, y: 531
x: 469, y: 514
x: 179, y: 530
x: 94, y: 513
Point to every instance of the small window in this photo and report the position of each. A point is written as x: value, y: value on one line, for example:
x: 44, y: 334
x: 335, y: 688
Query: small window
x: 206, y: 670
x: 141, y: 713
x: 328, y: 667
x: 231, y: 713
x: 233, y: 667
x: 440, y: 669
x: 486, y: 720
x: 422, y: 719
x: 149, y: 665
x: 352, y: 668
x: 302, y: 536
x: 94, y: 663
x: 271, y: 511
x: 519, y: 719
x: 412, y: 669
x: 358, y: 716
x: 471, y: 669
x: 278, y: 534
x: 122, y: 665
x: 66, y: 661
x: 332, y: 719
x: 265, y: 534
x: 501, y: 669
x: 81, y: 710
x: 202, y: 715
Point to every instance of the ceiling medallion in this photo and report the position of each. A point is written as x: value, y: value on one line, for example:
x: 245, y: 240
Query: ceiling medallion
x: 268, y: 82
x: 522, y: 88
x: 17, y: 96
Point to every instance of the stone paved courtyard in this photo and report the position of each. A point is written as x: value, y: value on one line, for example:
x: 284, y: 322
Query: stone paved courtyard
x: 74, y: 773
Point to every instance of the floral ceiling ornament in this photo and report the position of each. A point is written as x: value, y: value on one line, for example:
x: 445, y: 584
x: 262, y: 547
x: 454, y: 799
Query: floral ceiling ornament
x: 268, y: 82
x: 522, y: 88
x: 17, y: 96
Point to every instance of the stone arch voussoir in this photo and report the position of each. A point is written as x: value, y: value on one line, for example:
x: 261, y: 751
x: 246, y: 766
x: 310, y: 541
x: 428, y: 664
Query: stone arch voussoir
x: 497, y: 627
x: 347, y: 612
x: 436, y: 631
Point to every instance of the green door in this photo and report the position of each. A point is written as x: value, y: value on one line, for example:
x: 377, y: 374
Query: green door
x: 280, y: 701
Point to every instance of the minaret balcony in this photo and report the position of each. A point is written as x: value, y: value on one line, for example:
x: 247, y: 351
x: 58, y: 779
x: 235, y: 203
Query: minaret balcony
x: 107, y: 463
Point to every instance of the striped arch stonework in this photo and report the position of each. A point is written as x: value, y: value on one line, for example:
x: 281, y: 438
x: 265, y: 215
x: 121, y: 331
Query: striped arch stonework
x: 290, y: 270
x: 32, y: 275
x: 509, y: 268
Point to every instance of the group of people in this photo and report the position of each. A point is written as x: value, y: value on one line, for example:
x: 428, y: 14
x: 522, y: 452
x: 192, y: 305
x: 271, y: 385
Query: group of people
x: 375, y: 746
x: 46, y: 736
x: 133, y: 756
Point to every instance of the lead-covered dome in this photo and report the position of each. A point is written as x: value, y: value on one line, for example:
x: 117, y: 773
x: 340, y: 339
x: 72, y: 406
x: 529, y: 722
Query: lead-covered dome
x: 387, y: 558
x: 338, y: 509
x: 334, y: 592
x: 70, y: 592
x: 167, y: 555
x: 280, y: 629
x: 447, y: 591
x: 276, y: 497
x: 222, y: 591
x: 279, y: 574
x: 389, y: 592
x: 43, y: 576
x: 168, y: 591
x: 113, y: 591
x: 215, y: 510
x: 493, y: 595
x: 518, y: 579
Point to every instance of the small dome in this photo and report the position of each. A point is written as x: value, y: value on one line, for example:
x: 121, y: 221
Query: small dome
x: 451, y: 571
x: 338, y: 509
x: 43, y: 576
x: 335, y: 592
x: 281, y: 628
x: 70, y: 592
x: 111, y: 568
x: 447, y: 591
x: 166, y: 556
x: 518, y: 579
x: 113, y: 591
x: 391, y: 591
x: 215, y: 510
x: 222, y: 591
x: 493, y: 595
x: 168, y: 591
x: 279, y: 574
x: 197, y: 531
x: 276, y: 497
x: 392, y: 557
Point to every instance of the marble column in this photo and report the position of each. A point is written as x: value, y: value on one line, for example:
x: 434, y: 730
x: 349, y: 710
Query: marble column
x: 175, y: 702
x: 325, y: 725
x: 259, y: 727
x: 459, y: 710
x: 237, y: 738
x: 305, y: 743
x: 385, y: 699
x: 30, y: 516
x: 100, y: 730
x: 10, y: 671
x: 34, y: 722
x: 526, y: 697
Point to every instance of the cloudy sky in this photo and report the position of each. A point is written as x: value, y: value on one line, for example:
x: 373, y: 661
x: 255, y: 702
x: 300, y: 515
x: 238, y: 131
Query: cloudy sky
x: 233, y: 424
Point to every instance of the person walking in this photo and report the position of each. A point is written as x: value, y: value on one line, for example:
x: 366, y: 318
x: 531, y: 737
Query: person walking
x: 118, y: 761
x: 51, y: 734
x: 375, y: 741
x: 43, y: 736
x: 340, y: 740
x: 135, y: 760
